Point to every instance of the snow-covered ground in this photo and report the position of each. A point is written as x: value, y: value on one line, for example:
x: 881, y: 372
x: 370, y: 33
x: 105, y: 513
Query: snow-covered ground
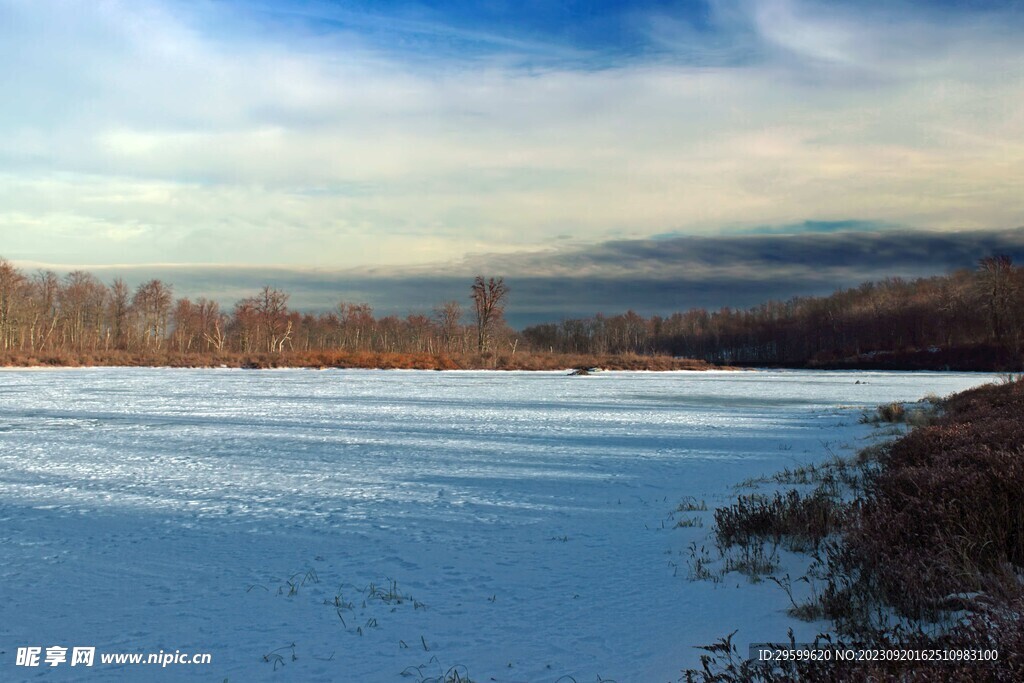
x: 524, y: 518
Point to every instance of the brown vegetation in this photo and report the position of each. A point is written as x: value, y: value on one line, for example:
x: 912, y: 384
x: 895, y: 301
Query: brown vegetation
x: 798, y: 521
x: 969, y: 320
x: 346, y: 359
x: 78, y: 320
x: 927, y: 550
x: 945, y: 514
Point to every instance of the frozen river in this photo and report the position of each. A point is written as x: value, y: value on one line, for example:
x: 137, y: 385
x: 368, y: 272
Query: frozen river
x: 523, y: 518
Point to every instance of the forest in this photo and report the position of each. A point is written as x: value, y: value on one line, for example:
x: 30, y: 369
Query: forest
x: 965, y: 319
x: 969, y: 319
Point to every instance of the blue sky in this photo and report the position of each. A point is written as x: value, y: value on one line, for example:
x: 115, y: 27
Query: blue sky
x: 442, y: 137
x: 594, y: 34
x: 476, y: 28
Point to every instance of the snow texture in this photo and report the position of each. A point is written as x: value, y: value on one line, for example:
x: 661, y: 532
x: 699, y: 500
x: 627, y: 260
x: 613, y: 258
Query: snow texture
x: 526, y: 519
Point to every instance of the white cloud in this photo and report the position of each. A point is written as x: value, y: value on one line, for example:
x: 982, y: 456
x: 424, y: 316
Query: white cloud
x: 135, y: 132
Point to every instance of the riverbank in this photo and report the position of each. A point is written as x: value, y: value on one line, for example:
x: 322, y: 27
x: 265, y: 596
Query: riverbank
x: 916, y: 547
x: 965, y: 358
x: 356, y: 359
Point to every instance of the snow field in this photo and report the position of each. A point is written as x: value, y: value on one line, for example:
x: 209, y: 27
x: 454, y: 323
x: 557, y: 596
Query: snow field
x: 354, y: 525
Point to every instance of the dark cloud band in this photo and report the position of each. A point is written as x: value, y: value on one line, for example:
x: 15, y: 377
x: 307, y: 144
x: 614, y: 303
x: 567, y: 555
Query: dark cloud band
x: 649, y: 276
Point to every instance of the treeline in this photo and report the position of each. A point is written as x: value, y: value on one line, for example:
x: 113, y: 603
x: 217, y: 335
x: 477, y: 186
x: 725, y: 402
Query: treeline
x: 80, y: 315
x: 928, y: 322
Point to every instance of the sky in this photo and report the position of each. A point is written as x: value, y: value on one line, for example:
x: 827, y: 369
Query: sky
x: 371, y: 142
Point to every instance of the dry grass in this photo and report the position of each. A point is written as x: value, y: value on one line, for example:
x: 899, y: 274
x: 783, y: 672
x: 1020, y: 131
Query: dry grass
x: 350, y: 359
x: 798, y: 521
x: 945, y: 513
x: 929, y: 555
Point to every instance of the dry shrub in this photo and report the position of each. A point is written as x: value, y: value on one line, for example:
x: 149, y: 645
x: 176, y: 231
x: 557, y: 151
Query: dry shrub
x: 946, y: 509
x: 892, y: 412
x: 801, y: 521
x: 349, y: 359
x: 937, y: 537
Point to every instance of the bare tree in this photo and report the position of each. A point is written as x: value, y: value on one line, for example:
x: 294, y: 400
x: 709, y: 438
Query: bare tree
x: 186, y: 324
x: 152, y: 302
x: 996, y: 284
x: 120, y: 309
x: 270, y: 308
x: 448, y: 316
x: 420, y: 333
x: 211, y: 324
x: 82, y: 300
x: 12, y: 284
x: 489, y: 304
x: 245, y: 326
x: 357, y: 324
x: 44, y: 311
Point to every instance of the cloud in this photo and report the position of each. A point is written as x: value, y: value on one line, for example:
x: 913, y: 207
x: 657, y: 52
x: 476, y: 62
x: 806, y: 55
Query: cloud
x: 846, y: 256
x: 649, y: 276
x: 148, y: 132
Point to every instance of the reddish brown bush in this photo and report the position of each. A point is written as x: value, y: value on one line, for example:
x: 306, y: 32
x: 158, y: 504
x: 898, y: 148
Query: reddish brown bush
x: 945, y: 513
x: 352, y: 359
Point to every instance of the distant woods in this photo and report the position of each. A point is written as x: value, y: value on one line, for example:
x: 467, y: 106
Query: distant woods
x: 80, y: 315
x: 927, y: 322
x: 964, y: 319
